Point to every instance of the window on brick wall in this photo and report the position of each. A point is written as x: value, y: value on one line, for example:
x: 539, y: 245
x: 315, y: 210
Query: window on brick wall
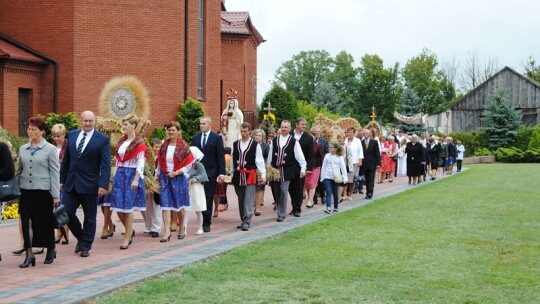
x: 25, y: 102
x: 200, y: 52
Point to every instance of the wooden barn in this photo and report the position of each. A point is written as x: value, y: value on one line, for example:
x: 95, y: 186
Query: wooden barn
x: 466, y: 113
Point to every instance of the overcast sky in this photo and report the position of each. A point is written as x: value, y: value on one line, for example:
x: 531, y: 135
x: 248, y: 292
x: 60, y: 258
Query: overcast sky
x: 396, y: 30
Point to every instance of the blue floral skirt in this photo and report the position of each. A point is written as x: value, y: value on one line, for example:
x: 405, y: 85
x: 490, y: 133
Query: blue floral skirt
x: 122, y: 197
x: 174, y: 192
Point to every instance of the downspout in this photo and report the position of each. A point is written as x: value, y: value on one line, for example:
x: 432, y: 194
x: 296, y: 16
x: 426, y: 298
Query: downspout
x: 46, y: 58
x: 186, y: 7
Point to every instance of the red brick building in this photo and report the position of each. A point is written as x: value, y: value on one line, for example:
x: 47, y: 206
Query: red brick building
x: 56, y: 56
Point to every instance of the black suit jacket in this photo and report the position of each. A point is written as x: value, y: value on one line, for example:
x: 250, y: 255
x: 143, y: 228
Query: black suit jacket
x: 372, y: 154
x: 306, y: 143
x: 90, y: 171
x: 214, y: 154
x: 324, y: 144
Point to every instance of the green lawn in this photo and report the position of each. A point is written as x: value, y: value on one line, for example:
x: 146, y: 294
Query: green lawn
x: 471, y: 238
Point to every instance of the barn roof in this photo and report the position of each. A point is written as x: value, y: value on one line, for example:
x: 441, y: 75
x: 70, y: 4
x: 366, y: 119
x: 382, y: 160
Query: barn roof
x: 480, y: 86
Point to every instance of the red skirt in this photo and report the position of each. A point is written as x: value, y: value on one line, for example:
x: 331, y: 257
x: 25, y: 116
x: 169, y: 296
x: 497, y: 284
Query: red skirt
x: 312, y: 178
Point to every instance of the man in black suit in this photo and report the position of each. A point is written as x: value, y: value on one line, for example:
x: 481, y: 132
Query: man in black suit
x: 372, y: 161
x: 84, y: 175
x: 213, y: 161
x: 320, y: 191
x: 296, y: 187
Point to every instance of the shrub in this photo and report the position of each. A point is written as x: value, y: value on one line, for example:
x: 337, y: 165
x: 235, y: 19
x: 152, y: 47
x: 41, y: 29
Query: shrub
x: 534, y: 142
x: 188, y: 117
x: 158, y: 132
x: 482, y: 152
x: 471, y: 140
x: 16, y: 141
x: 69, y: 120
x: 524, y: 134
x: 532, y: 155
x: 509, y: 155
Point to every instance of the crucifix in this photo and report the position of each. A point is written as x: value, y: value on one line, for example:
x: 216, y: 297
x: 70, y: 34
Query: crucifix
x: 269, y: 108
x: 373, y: 116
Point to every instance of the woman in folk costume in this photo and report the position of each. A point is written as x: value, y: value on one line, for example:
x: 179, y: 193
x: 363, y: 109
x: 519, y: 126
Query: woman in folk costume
x: 196, y: 178
x: 174, y: 160
x: 128, y: 193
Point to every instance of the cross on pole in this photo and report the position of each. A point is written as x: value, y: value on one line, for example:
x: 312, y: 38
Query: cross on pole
x: 373, y: 116
x: 269, y: 108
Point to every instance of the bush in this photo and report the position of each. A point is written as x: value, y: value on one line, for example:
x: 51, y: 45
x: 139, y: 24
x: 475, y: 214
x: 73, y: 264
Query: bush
x: 482, y: 152
x: 188, y: 117
x: 16, y: 141
x: 69, y: 120
x: 509, y: 155
x: 158, y: 132
x: 535, y: 140
x: 471, y: 140
x: 523, y: 136
x: 532, y: 155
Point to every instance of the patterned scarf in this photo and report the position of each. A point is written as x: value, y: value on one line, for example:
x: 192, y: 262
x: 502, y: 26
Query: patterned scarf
x: 182, y: 155
x: 136, y: 146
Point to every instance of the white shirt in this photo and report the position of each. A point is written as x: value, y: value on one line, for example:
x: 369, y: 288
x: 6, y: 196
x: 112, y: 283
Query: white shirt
x: 298, y: 154
x: 169, y: 160
x: 86, y: 141
x: 203, y: 138
x: 136, y: 162
x: 259, y: 159
x: 356, y: 149
x: 332, y: 166
x: 460, y: 151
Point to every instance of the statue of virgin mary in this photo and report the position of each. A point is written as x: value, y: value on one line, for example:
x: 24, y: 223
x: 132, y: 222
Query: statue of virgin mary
x: 234, y: 118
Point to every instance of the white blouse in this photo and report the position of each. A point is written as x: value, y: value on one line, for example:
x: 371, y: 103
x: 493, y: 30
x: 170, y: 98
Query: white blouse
x: 135, y: 162
x: 332, y: 166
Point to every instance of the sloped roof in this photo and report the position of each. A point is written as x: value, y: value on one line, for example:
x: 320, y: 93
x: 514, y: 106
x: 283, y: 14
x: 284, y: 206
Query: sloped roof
x: 239, y: 23
x: 9, y: 50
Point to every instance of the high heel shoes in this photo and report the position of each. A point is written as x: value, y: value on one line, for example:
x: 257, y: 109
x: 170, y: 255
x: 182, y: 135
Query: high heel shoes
x: 165, y: 240
x: 123, y: 247
x: 27, y: 262
x: 111, y: 233
x: 20, y: 251
x: 51, y: 255
x: 104, y: 234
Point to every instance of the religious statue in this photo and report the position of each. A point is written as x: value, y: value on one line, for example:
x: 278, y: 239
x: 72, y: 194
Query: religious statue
x: 231, y: 119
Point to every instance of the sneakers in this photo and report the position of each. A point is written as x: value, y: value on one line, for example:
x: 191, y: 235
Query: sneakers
x: 328, y: 211
x: 335, y: 210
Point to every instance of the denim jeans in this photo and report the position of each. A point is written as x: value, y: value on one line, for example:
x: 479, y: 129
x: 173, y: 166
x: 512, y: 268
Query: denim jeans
x: 331, y: 187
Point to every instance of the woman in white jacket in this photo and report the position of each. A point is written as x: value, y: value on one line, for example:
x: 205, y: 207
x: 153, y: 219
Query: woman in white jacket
x: 333, y: 174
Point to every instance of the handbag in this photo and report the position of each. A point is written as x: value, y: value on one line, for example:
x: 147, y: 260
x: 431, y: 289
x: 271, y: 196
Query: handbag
x: 338, y: 179
x: 9, y: 190
x: 60, y: 217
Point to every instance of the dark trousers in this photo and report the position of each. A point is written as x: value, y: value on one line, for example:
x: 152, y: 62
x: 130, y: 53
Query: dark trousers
x: 35, y: 208
x: 209, y: 190
x: 296, y: 191
x: 84, y: 233
x: 276, y: 190
x: 370, y: 180
x: 459, y: 163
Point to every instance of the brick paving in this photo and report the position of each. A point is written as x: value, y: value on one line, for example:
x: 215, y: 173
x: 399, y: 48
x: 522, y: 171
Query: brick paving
x: 72, y: 279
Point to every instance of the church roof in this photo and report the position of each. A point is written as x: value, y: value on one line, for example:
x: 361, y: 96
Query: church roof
x: 9, y: 50
x: 239, y: 23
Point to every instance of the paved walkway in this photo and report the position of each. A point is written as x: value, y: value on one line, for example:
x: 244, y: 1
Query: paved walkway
x: 72, y: 279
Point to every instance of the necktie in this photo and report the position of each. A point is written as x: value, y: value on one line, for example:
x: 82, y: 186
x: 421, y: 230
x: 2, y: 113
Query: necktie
x: 204, y: 141
x: 81, y: 145
x: 366, y: 142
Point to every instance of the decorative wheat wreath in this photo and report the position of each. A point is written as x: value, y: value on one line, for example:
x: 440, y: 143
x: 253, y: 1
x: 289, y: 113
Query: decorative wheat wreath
x: 124, y: 95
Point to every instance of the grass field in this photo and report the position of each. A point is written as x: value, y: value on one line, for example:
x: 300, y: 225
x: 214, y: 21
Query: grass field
x: 471, y: 238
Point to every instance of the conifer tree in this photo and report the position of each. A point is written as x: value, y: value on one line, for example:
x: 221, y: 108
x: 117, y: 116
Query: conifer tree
x: 188, y: 117
x: 409, y: 105
x: 501, y: 121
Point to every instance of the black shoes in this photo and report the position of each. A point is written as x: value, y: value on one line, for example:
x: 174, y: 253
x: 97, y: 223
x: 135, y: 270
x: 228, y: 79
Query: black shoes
x: 165, y: 240
x: 20, y: 251
x: 85, y: 253
x: 51, y: 255
x: 280, y: 219
x: 206, y: 228
x: 296, y: 214
x: 27, y: 262
x: 154, y: 234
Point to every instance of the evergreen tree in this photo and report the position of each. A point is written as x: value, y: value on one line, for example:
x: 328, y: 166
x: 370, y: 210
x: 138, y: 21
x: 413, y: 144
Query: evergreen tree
x: 283, y: 102
x: 501, y: 121
x: 188, y: 117
x: 409, y: 105
x: 534, y: 143
x: 325, y: 95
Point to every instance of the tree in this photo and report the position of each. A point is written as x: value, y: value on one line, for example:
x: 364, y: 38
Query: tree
x: 409, y: 105
x: 420, y: 74
x: 474, y: 71
x: 532, y: 70
x: 304, y: 72
x: 309, y: 112
x: 325, y: 95
x: 377, y: 87
x: 283, y: 102
x: 69, y: 120
x: 344, y: 80
x: 501, y: 121
x: 188, y: 117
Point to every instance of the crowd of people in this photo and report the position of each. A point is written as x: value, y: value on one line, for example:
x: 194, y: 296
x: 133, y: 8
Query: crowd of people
x: 298, y: 165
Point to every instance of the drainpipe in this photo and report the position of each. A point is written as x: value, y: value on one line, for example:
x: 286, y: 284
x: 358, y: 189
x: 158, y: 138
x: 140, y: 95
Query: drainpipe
x: 186, y: 7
